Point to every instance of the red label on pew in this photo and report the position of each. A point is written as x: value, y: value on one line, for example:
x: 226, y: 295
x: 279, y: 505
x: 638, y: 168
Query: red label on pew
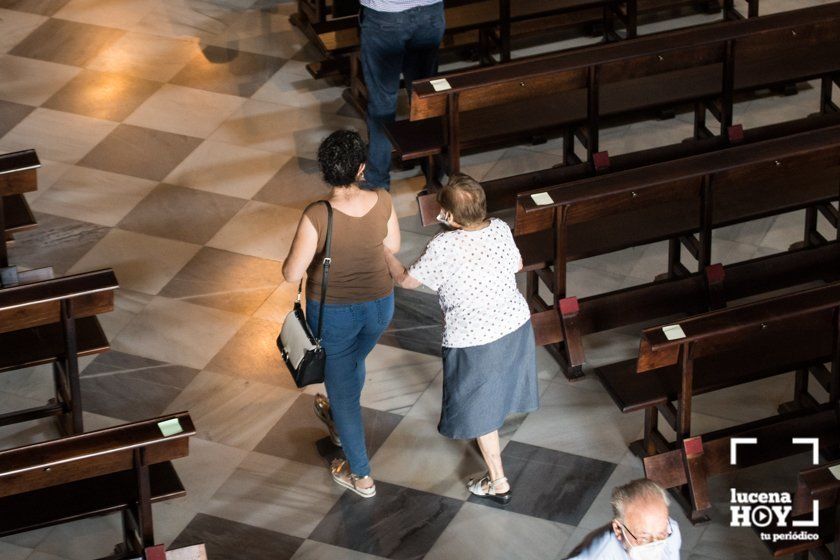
x: 693, y: 446
x: 735, y: 133
x: 715, y: 273
x: 569, y: 306
x: 601, y: 161
x: 157, y: 552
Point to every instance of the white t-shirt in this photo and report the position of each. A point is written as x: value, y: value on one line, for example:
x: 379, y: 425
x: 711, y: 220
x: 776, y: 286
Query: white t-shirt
x: 473, y: 274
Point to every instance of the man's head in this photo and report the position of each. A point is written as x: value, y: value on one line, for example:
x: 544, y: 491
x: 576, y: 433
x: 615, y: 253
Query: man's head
x: 462, y: 201
x: 641, y: 521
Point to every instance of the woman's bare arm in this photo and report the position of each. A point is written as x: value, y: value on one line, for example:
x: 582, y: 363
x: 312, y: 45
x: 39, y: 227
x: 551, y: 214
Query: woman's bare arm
x: 399, y: 273
x: 302, y: 251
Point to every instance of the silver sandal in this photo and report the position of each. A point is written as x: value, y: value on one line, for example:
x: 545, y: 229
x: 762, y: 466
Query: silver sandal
x: 485, y: 488
x: 322, y: 411
x: 340, y: 471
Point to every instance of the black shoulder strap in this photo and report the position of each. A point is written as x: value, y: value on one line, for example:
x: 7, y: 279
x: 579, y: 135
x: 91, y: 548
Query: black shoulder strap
x: 327, y: 262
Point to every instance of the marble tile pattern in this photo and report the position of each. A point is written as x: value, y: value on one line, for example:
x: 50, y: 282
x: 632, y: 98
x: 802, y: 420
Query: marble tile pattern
x: 178, y: 140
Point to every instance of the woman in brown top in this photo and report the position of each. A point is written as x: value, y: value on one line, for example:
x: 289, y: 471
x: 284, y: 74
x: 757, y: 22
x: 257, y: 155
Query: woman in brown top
x: 360, y: 297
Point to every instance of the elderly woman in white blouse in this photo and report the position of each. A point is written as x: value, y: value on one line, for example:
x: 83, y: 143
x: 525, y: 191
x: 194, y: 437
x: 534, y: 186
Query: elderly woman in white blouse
x: 489, y: 363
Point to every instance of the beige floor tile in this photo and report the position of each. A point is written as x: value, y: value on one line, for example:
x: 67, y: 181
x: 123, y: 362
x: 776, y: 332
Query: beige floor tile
x: 280, y: 128
x: 276, y: 494
x: 15, y: 26
x: 49, y: 172
x: 141, y: 262
x: 197, y: 18
x: 143, y: 55
x: 232, y: 411
x: 185, y: 110
x: 260, y: 230
x: 226, y: 169
x: 30, y: 81
x: 280, y: 302
x: 176, y: 332
x: 588, y: 409
x: 122, y: 14
x: 475, y: 533
x: 56, y: 135
x: 93, y: 196
x: 293, y: 90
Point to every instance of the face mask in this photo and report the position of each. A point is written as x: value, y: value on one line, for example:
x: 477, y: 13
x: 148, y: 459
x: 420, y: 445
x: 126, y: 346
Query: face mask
x: 441, y: 217
x: 650, y: 551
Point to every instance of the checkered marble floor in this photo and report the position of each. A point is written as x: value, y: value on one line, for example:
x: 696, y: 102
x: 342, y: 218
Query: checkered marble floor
x: 177, y: 139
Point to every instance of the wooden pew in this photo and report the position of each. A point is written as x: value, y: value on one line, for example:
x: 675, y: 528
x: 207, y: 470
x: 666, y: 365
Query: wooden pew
x: 123, y: 469
x: 573, y: 92
x: 18, y: 175
x: 817, y: 490
x: 713, y: 351
x: 54, y: 322
x: 502, y: 193
x: 489, y: 28
x: 682, y: 201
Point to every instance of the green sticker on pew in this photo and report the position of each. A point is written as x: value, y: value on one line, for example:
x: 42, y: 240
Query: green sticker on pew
x: 170, y: 427
x: 835, y: 470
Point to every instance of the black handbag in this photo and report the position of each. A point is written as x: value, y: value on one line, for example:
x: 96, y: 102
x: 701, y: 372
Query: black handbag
x: 302, y: 352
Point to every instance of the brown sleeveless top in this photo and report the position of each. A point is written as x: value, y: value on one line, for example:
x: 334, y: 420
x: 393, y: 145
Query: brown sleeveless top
x: 358, y: 272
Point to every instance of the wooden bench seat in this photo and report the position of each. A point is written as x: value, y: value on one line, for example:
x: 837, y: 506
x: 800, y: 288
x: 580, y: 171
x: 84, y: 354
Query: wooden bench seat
x: 493, y: 27
x: 814, y: 484
x: 573, y: 92
x: 43, y: 345
x: 687, y: 468
x: 799, y: 330
x: 81, y: 499
x: 54, y: 322
x: 18, y: 216
x: 501, y: 193
x: 790, y: 349
x: 18, y: 175
x: 119, y: 469
x: 681, y: 201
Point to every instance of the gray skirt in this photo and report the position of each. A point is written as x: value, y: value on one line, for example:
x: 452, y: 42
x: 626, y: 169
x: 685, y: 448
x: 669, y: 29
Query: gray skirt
x: 482, y: 385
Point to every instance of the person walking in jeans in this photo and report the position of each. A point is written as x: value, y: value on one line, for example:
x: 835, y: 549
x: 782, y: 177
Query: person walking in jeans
x: 360, y: 294
x: 397, y: 36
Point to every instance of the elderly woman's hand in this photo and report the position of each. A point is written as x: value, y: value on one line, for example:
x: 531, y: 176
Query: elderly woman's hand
x: 398, y: 272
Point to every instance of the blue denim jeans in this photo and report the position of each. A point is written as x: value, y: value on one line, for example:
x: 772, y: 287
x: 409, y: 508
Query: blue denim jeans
x: 393, y: 43
x: 349, y: 334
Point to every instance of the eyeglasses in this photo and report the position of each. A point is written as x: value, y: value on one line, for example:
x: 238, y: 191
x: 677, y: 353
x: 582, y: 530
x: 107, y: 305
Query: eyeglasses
x: 649, y: 539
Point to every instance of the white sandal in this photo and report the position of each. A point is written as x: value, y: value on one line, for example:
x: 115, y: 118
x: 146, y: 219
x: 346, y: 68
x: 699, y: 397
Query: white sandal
x: 340, y: 471
x: 485, y: 488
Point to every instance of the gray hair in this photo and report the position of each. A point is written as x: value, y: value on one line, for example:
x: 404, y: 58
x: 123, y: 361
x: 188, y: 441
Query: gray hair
x: 632, y: 491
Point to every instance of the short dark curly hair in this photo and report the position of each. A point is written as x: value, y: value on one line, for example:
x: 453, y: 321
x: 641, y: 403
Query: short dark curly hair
x: 339, y: 157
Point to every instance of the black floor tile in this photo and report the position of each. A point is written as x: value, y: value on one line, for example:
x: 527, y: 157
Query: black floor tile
x: 417, y: 323
x: 131, y: 388
x: 299, y: 435
x: 228, y: 71
x: 398, y: 522
x: 550, y: 484
x: 229, y: 540
x: 66, y: 42
x: 140, y: 152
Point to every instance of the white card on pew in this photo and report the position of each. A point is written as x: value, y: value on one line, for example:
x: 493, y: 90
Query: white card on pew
x: 835, y: 471
x: 542, y: 198
x: 441, y: 84
x: 170, y: 427
x: 673, y: 332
